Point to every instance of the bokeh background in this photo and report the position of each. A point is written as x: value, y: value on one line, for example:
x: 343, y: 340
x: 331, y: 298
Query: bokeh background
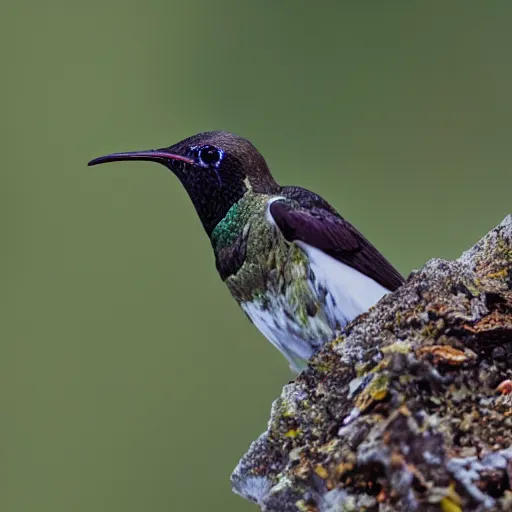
x: 130, y: 380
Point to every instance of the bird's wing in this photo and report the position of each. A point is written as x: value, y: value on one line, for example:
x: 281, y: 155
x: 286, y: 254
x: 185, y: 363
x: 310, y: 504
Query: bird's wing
x: 306, y: 217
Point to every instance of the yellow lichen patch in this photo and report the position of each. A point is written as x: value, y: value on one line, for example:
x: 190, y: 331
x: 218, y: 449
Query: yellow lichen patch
x: 303, y: 316
x: 329, y: 447
x: 472, y: 287
x: 447, y: 505
x: 342, y: 468
x: 380, y: 394
x: 429, y: 331
x: 446, y: 354
x: 302, y: 506
x: 334, y: 345
x: 362, y: 368
x: 404, y: 411
x: 398, y: 347
x: 339, y: 339
x: 287, y: 407
x: 321, y: 472
x: 497, y: 275
x: 452, y: 494
x: 376, y: 391
x: 292, y: 433
x: 303, y: 470
x: 405, y: 379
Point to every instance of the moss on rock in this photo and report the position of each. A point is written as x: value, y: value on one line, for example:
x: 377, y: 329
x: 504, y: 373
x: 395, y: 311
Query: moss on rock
x: 411, y: 409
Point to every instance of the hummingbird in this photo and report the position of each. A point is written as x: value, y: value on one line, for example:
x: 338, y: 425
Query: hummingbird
x: 295, y: 266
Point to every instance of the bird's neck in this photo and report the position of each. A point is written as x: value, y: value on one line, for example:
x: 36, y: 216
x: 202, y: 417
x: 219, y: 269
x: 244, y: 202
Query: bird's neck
x: 237, y: 219
x: 217, y: 206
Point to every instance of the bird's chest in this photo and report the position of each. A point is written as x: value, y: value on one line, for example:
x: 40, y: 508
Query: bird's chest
x: 275, y: 283
x: 252, y: 256
x: 271, y: 265
x: 272, y: 279
x: 276, y: 288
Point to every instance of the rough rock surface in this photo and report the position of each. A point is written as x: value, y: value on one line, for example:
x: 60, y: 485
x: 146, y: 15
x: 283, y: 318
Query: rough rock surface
x: 411, y: 409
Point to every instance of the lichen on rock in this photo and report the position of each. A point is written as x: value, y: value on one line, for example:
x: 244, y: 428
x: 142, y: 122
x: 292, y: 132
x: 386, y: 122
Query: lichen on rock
x: 410, y: 409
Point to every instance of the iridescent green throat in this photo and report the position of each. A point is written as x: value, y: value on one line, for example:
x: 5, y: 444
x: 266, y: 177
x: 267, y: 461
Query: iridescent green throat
x: 239, y: 215
x: 227, y: 230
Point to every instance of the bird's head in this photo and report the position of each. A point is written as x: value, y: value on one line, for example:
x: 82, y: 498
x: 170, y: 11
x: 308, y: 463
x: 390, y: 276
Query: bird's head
x: 216, y: 168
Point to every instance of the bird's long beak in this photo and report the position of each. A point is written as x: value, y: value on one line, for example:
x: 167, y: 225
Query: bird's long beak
x: 153, y: 155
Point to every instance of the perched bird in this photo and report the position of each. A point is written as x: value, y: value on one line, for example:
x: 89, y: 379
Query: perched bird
x: 294, y: 265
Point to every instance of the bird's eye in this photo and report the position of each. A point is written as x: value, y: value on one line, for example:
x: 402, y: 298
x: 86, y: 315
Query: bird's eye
x: 208, y: 155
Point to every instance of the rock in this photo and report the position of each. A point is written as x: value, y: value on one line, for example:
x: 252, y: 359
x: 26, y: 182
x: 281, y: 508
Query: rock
x: 410, y: 409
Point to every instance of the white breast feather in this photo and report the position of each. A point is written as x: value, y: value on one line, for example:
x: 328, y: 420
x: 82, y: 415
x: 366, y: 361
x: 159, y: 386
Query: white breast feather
x: 351, y: 292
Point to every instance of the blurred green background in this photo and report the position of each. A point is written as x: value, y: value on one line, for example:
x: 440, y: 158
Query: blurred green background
x: 130, y: 379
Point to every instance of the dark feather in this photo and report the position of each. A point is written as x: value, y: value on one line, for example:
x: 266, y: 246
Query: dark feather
x: 306, y: 217
x: 230, y: 259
